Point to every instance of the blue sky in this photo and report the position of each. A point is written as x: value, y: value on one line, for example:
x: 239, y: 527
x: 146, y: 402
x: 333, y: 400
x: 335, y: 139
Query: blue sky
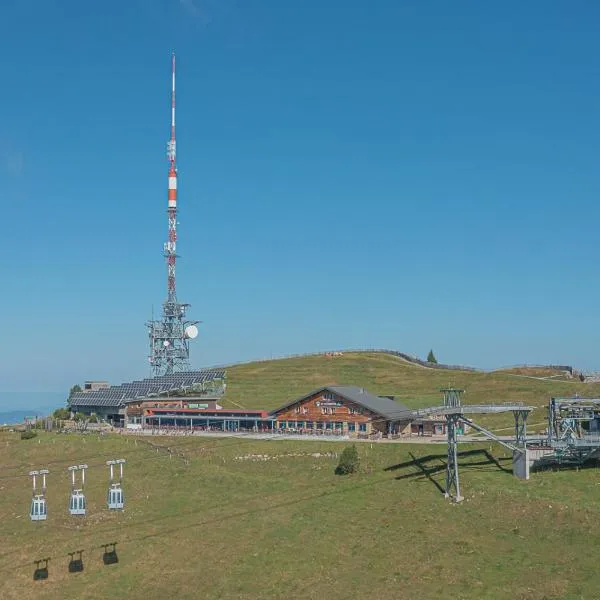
x: 399, y: 174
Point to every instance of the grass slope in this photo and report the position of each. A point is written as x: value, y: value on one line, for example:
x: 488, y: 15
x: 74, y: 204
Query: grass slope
x: 223, y: 528
x: 272, y: 383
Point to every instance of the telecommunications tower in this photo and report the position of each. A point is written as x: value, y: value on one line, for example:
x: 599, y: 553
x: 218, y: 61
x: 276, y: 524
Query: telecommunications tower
x: 169, y: 337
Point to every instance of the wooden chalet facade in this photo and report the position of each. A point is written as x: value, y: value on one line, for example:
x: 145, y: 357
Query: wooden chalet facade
x: 343, y: 410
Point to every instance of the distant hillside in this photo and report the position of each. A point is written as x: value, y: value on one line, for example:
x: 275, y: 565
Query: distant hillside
x: 268, y: 384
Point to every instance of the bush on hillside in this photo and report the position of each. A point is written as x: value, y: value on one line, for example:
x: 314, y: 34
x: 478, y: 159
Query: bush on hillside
x: 349, y: 461
x: 28, y: 434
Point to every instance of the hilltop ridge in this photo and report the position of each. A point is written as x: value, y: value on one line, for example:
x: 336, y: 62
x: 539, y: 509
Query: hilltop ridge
x: 270, y: 383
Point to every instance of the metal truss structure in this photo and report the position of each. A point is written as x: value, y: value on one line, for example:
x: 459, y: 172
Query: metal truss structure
x: 169, y: 337
x: 573, y: 431
x: 455, y: 413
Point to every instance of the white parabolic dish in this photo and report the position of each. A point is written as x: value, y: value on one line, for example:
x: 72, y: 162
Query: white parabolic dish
x: 191, y: 332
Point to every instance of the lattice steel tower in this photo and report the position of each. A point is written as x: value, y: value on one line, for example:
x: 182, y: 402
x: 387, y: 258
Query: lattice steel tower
x: 169, y: 337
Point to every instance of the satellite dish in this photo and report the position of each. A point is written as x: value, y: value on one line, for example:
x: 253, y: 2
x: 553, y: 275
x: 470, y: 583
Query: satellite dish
x: 191, y: 332
x: 166, y: 343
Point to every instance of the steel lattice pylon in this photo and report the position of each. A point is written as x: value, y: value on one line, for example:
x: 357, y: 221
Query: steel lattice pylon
x: 169, y: 337
x: 452, y: 480
x: 452, y: 400
x: 521, y: 426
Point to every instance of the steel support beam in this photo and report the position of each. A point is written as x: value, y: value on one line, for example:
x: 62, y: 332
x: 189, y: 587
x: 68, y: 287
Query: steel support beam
x: 452, y: 481
x: 521, y: 427
x: 452, y: 397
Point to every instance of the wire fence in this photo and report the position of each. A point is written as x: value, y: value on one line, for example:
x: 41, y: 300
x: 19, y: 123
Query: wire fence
x: 403, y: 355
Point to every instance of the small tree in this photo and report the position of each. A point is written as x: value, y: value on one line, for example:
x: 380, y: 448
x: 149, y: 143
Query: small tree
x: 74, y: 389
x: 431, y: 358
x: 62, y: 413
x: 349, y: 461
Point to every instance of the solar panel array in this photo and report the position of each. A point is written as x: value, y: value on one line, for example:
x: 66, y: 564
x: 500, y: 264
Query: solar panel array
x: 119, y: 394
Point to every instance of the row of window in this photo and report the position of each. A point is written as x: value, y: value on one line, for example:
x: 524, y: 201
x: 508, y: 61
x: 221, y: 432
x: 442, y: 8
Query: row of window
x: 319, y: 425
x: 326, y: 410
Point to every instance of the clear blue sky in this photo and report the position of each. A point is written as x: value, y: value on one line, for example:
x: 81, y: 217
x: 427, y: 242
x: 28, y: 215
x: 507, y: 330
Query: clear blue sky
x: 401, y: 174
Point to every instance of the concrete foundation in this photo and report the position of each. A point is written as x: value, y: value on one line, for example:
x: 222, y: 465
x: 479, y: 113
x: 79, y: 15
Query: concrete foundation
x: 521, y: 463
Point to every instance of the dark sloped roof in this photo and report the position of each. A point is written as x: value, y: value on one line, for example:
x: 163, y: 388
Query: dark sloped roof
x: 117, y: 396
x: 385, y: 407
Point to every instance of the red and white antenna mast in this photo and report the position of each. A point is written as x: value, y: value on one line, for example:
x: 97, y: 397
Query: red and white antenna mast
x: 169, y: 337
x: 171, y: 245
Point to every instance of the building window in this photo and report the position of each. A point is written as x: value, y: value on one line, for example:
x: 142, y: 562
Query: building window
x: 351, y: 427
x: 355, y: 410
x: 282, y: 424
x: 328, y: 410
x: 328, y: 396
x: 297, y: 409
x: 328, y: 425
x: 309, y: 424
x: 339, y: 425
x: 362, y: 427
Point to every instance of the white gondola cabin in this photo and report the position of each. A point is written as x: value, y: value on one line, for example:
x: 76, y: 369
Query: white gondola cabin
x: 115, y: 496
x: 39, y: 507
x: 77, y: 501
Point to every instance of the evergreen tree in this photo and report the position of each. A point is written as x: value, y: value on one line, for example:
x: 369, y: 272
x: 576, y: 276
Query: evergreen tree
x: 431, y: 358
x: 76, y: 388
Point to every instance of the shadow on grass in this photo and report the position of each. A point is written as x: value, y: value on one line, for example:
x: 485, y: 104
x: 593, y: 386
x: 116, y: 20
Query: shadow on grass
x: 192, y: 522
x: 76, y: 563
x: 41, y: 570
x: 553, y: 466
x: 427, y: 470
x: 110, y: 556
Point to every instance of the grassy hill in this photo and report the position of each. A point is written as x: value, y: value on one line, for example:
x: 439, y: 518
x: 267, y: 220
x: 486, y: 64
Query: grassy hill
x: 271, y: 383
x: 226, y: 523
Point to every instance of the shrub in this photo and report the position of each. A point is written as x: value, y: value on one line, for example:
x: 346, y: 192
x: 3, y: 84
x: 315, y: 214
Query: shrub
x: 349, y: 461
x: 62, y: 413
x: 28, y: 434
